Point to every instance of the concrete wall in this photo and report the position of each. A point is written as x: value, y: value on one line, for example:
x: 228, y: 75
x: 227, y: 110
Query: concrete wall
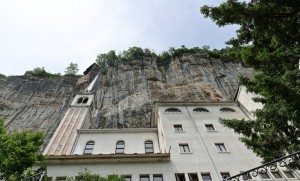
x: 105, y: 140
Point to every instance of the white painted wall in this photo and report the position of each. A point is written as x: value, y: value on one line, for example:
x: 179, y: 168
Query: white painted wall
x: 105, y: 140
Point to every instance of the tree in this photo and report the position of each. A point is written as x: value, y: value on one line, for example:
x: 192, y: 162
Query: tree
x: 19, y: 151
x: 72, y: 69
x: 268, y: 40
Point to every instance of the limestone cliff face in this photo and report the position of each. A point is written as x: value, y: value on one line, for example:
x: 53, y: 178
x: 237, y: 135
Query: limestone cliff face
x: 29, y: 103
x: 126, y: 94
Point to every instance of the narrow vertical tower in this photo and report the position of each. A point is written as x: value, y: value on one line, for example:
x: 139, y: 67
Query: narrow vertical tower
x: 78, y: 116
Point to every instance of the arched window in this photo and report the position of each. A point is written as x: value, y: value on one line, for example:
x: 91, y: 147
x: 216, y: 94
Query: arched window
x: 226, y: 109
x: 120, y: 146
x: 200, y: 110
x: 89, y: 148
x: 172, y: 110
x: 85, y: 100
x: 79, y: 100
x: 149, y: 147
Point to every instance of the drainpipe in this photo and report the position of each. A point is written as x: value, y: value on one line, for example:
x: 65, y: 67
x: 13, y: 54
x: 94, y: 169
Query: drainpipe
x: 205, y: 147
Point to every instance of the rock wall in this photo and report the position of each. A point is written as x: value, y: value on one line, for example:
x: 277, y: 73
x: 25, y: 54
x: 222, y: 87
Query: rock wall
x: 127, y: 93
x: 33, y: 104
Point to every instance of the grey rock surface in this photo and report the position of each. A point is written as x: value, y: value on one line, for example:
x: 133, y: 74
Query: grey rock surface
x: 125, y: 96
x: 30, y: 103
x: 127, y: 93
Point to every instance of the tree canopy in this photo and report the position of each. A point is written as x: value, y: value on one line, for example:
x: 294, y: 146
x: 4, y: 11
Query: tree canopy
x: 72, y: 69
x: 267, y: 40
x: 87, y: 175
x: 19, y: 151
x: 111, y: 59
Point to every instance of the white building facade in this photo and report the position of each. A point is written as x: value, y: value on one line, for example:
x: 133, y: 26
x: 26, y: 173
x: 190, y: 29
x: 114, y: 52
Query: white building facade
x: 186, y: 143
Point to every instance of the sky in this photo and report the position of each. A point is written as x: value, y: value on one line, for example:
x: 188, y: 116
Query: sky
x: 54, y: 33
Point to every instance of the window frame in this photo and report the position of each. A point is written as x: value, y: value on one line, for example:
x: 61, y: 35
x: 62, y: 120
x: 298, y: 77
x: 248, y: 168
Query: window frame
x: 210, y: 126
x: 200, y: 110
x: 190, y: 175
x: 277, y: 172
x: 206, y: 174
x: 120, y: 148
x: 289, y: 172
x: 184, y: 148
x: 223, y: 174
x: 87, y: 148
x: 227, y: 110
x: 172, y: 110
x: 178, y: 128
x: 145, y: 176
x: 178, y: 175
x: 158, y: 175
x: 221, y: 148
x: 152, y: 147
x: 263, y: 174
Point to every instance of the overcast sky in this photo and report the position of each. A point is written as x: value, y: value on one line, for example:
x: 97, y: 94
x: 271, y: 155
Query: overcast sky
x: 53, y: 33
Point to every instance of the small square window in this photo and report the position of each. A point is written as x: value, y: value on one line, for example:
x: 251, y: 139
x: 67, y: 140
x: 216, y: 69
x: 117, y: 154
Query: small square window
x: 221, y: 147
x: 264, y: 175
x: 225, y: 175
x: 289, y: 174
x: 276, y: 174
x: 178, y: 128
x: 127, y: 177
x: 193, y: 177
x: 179, y: 177
x: 157, y: 177
x: 184, y: 148
x: 209, y: 127
x: 206, y: 177
x: 144, y: 178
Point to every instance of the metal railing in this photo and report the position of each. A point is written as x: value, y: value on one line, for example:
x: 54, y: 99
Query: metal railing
x: 36, y: 177
x: 285, y: 161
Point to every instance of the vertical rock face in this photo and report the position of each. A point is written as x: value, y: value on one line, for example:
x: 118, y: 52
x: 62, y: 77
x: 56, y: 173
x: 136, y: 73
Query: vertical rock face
x: 29, y: 103
x: 126, y: 94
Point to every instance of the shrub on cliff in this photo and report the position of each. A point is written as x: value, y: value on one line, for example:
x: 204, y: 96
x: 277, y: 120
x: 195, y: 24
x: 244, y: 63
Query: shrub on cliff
x: 41, y: 72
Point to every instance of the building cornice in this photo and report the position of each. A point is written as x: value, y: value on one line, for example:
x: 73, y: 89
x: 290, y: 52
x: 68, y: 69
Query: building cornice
x: 106, y: 158
x: 124, y: 130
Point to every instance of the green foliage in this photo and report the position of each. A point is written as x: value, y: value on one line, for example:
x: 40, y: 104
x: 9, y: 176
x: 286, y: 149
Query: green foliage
x: 138, y: 54
x: 19, y: 151
x: 72, y: 69
x: 40, y: 72
x: 267, y: 40
x: 86, y: 175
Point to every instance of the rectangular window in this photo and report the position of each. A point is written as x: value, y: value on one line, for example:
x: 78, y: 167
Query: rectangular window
x: 193, y: 177
x: 264, y: 175
x: 221, y: 147
x: 144, y: 178
x: 184, y: 148
x: 178, y: 128
x: 127, y: 177
x: 289, y: 174
x: 206, y: 176
x: 225, y: 175
x: 157, y: 177
x: 209, y: 127
x: 179, y: 177
x: 277, y: 174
